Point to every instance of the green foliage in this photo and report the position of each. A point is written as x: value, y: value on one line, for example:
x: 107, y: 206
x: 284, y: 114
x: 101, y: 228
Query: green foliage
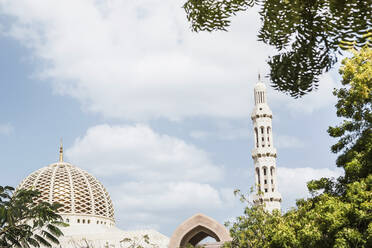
x: 137, y: 242
x: 354, y: 105
x: 252, y: 229
x: 191, y: 246
x: 335, y: 221
x: 307, y: 34
x: 212, y: 15
x: 25, y: 222
x: 321, y: 221
x: 339, y: 213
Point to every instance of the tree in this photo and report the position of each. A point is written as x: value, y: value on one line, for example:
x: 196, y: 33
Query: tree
x: 354, y: 104
x: 308, y: 35
x: 339, y: 212
x: 251, y: 229
x: 26, y: 222
x: 192, y: 246
x: 138, y: 242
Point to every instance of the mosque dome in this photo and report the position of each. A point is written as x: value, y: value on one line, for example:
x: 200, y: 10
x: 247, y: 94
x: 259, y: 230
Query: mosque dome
x: 84, y: 198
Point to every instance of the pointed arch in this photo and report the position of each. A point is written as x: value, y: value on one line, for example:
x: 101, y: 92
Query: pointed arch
x: 195, y: 229
x: 262, y: 134
x: 273, y: 178
x: 256, y: 133
x: 268, y: 136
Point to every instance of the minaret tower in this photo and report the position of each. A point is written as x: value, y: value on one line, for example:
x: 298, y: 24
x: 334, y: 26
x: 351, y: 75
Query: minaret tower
x: 264, y: 153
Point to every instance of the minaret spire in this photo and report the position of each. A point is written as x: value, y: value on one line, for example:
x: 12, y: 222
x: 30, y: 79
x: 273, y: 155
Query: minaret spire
x: 61, y: 152
x: 264, y: 152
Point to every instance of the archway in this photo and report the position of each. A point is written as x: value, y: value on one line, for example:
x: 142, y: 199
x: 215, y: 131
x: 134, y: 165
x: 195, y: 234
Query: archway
x: 197, y: 228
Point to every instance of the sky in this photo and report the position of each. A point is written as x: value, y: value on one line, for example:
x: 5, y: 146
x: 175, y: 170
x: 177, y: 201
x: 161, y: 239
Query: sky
x: 159, y: 114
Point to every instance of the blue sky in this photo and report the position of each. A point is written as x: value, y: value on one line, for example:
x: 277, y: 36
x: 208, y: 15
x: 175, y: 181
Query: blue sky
x: 159, y: 114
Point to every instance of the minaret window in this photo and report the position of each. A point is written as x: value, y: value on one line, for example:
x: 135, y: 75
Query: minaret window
x: 266, y: 190
x: 264, y: 170
x: 258, y: 176
x: 257, y: 97
x: 256, y: 136
x: 265, y: 181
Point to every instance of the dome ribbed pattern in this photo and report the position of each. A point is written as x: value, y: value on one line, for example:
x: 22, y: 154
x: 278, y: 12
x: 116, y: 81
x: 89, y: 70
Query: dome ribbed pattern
x: 76, y: 189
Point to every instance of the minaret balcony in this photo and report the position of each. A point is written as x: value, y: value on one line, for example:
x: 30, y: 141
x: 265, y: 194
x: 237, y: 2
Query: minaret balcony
x: 271, y: 196
x: 264, y: 152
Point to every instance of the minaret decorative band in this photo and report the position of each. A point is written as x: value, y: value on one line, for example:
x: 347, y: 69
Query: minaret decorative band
x: 264, y: 152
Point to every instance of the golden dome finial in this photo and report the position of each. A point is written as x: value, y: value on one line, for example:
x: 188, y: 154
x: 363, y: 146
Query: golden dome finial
x: 259, y: 77
x: 61, y: 152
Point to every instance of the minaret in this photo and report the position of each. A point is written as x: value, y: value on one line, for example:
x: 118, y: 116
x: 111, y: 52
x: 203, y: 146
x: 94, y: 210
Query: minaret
x: 264, y: 153
x: 61, y: 152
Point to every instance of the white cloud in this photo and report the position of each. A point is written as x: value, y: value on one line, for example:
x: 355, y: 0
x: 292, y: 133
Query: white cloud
x: 292, y: 182
x: 152, y: 204
x: 139, y: 59
x: 6, y: 129
x: 149, y: 175
x: 157, y: 181
x: 162, y: 197
x: 284, y: 141
x: 140, y: 153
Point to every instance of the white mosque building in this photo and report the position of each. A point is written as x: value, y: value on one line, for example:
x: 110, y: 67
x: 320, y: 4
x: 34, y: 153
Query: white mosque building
x: 87, y: 207
x: 89, y: 211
